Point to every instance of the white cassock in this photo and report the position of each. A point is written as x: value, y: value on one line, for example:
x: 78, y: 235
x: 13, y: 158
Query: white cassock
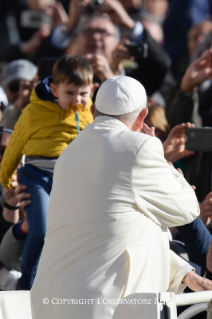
x: 113, y: 197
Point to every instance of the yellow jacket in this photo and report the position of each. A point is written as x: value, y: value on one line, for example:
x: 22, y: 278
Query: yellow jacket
x: 43, y: 129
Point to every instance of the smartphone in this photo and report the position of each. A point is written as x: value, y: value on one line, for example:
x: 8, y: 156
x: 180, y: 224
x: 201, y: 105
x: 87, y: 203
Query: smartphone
x: 34, y: 18
x: 136, y: 49
x: 199, y: 139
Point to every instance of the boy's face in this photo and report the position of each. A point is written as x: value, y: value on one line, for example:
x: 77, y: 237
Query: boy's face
x: 70, y: 95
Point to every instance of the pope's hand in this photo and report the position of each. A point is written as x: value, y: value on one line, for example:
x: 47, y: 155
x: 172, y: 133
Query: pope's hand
x: 148, y: 130
x: 196, y: 282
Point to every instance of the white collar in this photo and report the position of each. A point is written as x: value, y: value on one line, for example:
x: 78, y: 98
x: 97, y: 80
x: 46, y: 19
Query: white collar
x: 110, y: 120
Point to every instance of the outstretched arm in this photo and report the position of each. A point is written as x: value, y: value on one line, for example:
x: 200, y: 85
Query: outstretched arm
x: 161, y: 192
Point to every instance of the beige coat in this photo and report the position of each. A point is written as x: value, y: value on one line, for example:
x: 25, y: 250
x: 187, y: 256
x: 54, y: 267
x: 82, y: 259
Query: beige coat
x: 113, y: 197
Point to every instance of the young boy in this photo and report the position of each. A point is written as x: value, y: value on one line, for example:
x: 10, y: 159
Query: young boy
x: 59, y: 110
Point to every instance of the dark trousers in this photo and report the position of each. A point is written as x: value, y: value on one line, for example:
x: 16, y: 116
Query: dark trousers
x: 197, y: 239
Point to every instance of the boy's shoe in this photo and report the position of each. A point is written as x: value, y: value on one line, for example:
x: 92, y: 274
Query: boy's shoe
x: 11, y: 280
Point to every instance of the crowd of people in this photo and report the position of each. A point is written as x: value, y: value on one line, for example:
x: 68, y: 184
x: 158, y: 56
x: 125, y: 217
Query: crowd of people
x: 54, y: 59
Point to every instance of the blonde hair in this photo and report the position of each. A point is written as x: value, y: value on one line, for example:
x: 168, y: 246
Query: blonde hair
x: 156, y: 114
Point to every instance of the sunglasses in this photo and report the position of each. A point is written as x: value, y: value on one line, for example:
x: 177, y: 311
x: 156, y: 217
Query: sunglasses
x: 14, y: 86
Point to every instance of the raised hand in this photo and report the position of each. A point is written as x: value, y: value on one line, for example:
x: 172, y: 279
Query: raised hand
x: 76, y: 8
x: 30, y: 46
x: 174, y: 145
x: 198, y: 71
x: 119, y: 54
x: 58, y: 13
x: 117, y: 13
x: 100, y: 66
x: 148, y: 130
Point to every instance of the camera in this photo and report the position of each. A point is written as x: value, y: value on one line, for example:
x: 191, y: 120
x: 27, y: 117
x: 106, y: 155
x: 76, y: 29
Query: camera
x: 34, y: 18
x: 94, y: 5
x: 198, y: 139
x: 139, y: 50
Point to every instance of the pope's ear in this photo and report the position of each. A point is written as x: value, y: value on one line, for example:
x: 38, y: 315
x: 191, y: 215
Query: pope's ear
x: 141, y: 119
x: 54, y: 89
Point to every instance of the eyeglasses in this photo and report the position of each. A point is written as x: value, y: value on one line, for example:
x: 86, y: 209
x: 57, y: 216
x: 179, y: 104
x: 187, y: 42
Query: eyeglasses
x: 14, y: 86
x: 90, y: 32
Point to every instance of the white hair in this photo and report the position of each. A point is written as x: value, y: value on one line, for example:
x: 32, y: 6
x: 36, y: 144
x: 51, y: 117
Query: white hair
x: 129, y: 118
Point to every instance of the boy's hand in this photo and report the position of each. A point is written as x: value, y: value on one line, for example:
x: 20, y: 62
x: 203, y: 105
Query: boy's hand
x: 9, y: 194
x: 12, y: 216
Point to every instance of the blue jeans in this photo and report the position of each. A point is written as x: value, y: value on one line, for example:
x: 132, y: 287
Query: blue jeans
x: 39, y: 184
x: 197, y: 239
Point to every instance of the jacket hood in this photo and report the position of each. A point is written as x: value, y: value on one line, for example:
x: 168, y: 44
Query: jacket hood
x: 44, y: 91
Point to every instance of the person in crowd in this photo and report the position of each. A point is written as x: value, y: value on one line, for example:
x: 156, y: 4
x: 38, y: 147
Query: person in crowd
x: 7, y: 218
x: 197, y: 35
x: 183, y: 106
x: 9, y: 19
x: 4, y: 223
x: 25, y: 49
x: 102, y: 246
x: 176, y: 29
x: 14, y: 238
x: 11, y: 75
x: 97, y: 37
x: 17, y: 79
x: 59, y: 110
x: 12, y: 233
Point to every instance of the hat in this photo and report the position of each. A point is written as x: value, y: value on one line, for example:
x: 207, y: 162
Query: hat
x: 120, y: 95
x: 17, y: 70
